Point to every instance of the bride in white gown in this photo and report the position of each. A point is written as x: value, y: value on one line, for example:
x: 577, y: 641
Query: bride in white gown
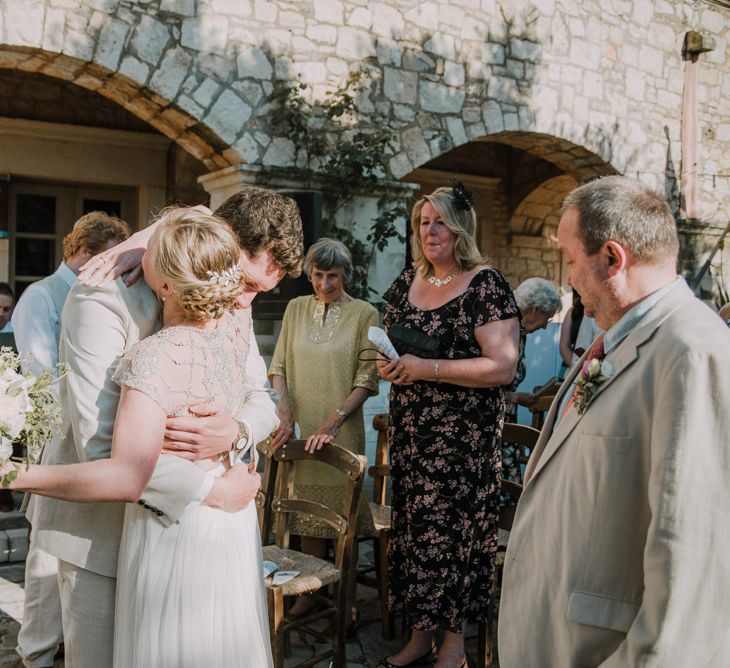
x: 192, y: 594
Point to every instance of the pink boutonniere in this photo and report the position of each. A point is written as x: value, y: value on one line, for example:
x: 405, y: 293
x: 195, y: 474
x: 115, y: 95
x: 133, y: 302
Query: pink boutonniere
x: 593, y: 374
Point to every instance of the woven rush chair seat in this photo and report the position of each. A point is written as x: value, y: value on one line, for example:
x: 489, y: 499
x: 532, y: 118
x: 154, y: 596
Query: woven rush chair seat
x: 382, y: 516
x: 276, y: 505
x: 314, y: 573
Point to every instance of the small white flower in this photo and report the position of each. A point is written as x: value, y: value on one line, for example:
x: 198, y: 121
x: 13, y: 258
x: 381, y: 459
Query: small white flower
x: 594, y: 368
x: 14, y: 402
x: 6, y: 448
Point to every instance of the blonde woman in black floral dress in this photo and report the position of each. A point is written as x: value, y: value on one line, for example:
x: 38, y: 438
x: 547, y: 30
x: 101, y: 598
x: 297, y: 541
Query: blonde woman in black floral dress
x: 445, y: 416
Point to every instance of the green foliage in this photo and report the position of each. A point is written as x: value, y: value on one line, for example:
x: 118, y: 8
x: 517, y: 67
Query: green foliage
x: 352, y: 157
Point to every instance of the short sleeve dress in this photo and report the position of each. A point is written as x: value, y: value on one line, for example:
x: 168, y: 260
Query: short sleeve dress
x: 317, y: 353
x: 445, y: 464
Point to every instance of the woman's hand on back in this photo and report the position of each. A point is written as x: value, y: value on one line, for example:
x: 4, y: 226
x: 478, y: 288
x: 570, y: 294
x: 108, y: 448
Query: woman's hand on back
x: 124, y: 258
x: 109, y: 265
x: 325, y: 433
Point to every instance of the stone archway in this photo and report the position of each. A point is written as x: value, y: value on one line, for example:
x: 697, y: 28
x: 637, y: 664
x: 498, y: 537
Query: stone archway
x: 520, y: 180
x: 169, y: 119
x: 533, y: 248
x: 573, y: 159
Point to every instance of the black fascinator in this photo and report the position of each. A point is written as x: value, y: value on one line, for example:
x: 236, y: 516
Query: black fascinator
x: 462, y: 197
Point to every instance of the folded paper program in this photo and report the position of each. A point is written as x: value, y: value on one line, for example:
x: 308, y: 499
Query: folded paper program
x: 381, y: 341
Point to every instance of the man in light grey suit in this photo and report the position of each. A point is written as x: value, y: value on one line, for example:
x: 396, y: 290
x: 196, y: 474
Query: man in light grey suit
x: 619, y: 552
x: 99, y: 324
x: 37, y: 326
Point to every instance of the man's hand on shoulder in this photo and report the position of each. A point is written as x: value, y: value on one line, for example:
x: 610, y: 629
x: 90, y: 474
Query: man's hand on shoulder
x: 207, y: 432
x: 235, y: 489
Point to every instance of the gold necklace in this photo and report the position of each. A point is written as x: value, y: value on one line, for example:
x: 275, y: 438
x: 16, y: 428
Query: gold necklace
x: 440, y: 282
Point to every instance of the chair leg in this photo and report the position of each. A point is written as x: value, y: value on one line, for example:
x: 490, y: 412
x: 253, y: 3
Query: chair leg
x: 485, y: 645
x: 382, y: 571
x: 275, y: 601
x: 339, y: 660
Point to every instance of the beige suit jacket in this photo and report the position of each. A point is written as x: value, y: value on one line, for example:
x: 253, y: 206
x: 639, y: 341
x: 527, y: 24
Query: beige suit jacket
x: 98, y: 326
x: 619, y: 551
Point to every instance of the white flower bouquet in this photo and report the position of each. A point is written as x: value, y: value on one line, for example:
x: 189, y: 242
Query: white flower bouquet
x: 29, y: 411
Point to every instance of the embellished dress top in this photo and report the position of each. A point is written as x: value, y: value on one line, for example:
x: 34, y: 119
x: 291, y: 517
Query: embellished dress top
x: 445, y: 464
x: 318, y: 356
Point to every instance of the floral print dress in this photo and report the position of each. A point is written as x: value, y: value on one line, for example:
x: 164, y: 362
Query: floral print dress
x: 445, y: 464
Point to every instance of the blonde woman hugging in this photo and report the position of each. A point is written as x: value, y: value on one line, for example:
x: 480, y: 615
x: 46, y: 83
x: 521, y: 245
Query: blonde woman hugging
x: 182, y: 589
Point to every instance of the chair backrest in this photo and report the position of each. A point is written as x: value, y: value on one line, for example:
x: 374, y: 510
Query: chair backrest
x: 282, y: 502
x: 507, y: 511
x: 539, y: 410
x: 381, y: 470
x: 522, y: 435
x: 267, y: 491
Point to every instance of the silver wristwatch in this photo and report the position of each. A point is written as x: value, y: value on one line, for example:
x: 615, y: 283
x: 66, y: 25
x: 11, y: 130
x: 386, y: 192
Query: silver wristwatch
x: 342, y: 414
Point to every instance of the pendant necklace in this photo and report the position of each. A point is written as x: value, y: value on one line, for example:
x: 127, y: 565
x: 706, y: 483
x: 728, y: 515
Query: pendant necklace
x: 440, y: 282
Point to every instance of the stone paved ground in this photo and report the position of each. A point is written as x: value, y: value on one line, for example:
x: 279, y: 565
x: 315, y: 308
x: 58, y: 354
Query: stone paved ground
x: 363, y: 652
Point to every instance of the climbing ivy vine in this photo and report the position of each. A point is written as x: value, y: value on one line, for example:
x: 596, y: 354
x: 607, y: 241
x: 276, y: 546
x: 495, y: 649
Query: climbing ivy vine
x: 351, y: 156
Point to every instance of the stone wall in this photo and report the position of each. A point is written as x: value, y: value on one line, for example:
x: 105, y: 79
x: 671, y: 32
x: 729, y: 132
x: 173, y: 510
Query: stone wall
x: 591, y: 87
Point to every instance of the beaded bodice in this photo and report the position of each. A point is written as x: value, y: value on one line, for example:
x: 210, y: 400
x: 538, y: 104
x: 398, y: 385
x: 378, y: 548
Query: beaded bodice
x: 184, y: 365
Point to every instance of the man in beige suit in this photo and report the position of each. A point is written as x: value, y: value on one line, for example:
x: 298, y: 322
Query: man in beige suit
x: 99, y: 324
x: 619, y: 551
x: 37, y: 327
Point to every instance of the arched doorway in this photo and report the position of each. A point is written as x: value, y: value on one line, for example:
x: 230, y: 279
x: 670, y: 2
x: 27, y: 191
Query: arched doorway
x: 74, y: 138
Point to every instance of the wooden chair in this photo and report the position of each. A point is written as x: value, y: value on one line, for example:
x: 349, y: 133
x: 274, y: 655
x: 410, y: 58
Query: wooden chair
x: 485, y: 641
x: 314, y: 574
x: 526, y: 438
x: 545, y: 395
x: 382, y: 514
x: 523, y: 436
x: 539, y: 410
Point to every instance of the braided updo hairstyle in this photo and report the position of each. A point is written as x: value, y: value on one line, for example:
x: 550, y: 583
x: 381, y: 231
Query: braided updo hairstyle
x: 187, y: 247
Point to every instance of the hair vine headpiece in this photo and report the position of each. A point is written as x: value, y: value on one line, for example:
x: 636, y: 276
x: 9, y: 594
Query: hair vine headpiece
x: 463, y: 197
x: 232, y: 274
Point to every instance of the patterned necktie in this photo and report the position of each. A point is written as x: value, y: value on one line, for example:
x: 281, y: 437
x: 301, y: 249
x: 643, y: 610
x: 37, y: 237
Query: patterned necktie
x: 595, y: 353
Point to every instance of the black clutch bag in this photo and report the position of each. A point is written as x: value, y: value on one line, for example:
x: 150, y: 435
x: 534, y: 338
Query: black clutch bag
x: 409, y: 341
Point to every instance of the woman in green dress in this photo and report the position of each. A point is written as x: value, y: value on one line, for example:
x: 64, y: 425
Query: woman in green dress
x: 323, y: 385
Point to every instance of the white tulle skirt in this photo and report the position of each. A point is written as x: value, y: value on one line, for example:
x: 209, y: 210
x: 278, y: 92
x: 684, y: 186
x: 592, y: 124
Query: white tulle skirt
x: 191, y: 595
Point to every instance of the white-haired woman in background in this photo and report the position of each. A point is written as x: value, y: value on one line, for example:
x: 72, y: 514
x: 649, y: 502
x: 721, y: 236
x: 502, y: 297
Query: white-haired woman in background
x: 538, y: 301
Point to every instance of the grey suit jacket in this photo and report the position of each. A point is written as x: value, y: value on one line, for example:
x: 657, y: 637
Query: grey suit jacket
x: 98, y: 326
x: 619, y: 551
